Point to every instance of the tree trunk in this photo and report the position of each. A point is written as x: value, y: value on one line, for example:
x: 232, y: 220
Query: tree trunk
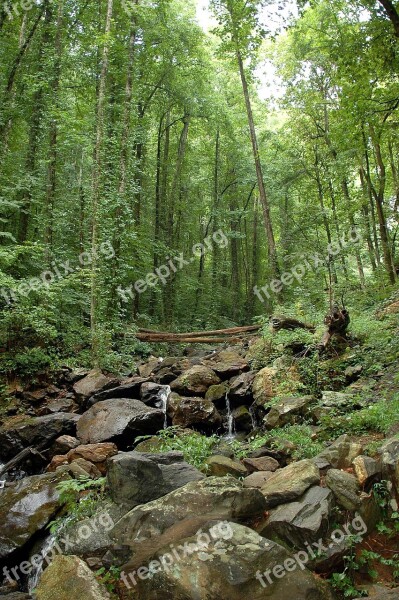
x: 272, y: 251
x: 95, y: 206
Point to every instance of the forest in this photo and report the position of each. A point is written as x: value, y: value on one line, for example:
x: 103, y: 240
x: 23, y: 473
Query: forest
x: 130, y: 135
x: 199, y: 299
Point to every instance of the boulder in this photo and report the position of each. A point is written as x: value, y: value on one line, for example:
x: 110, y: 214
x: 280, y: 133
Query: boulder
x: 147, y: 368
x: 242, y: 419
x: 26, y: 507
x: 340, y: 454
x: 264, y: 463
x: 93, y: 382
x: 195, y: 381
x: 98, y: 454
x: 63, y: 404
x: 227, y: 363
x: 136, y: 478
x: 287, y: 411
x: 81, y: 467
x: 118, y: 420
x: 129, y: 389
x: 223, y: 465
x: 241, y: 388
x: 271, y: 381
x: 263, y: 388
x: 21, y: 431
x: 290, y: 483
x: 152, y: 394
x: 181, y: 513
x: 390, y: 460
x: 237, y: 564
x: 381, y: 593
x: 366, y: 469
x: 305, y: 520
x: 217, y: 394
x: 64, y: 444
x: 257, y: 479
x: 345, y: 488
x: 69, y: 577
x: 193, y: 412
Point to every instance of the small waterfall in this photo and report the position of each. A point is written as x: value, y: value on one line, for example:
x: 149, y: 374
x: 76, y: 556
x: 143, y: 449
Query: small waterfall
x: 37, y: 569
x: 164, y: 395
x: 253, y: 417
x: 230, y: 420
x: 2, y: 481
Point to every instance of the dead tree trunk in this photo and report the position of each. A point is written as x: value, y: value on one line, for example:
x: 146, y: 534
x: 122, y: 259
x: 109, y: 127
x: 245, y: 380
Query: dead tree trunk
x: 337, y: 322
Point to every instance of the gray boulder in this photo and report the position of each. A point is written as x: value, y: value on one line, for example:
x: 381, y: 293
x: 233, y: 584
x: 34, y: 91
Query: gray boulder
x: 290, y: 483
x: 195, y: 381
x: 288, y: 411
x: 118, y: 420
x: 345, y: 488
x: 340, y: 454
x: 136, y: 478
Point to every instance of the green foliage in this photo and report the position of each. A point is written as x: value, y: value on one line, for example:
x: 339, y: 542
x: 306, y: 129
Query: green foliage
x: 299, y: 435
x: 80, y: 498
x: 109, y: 578
x: 195, y: 447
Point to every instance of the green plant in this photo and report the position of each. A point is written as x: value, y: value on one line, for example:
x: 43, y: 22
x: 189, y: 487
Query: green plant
x: 80, y: 498
x: 109, y: 578
x: 195, y: 447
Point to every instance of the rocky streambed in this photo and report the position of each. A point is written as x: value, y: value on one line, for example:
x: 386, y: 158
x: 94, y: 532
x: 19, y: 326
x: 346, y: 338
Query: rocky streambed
x: 134, y: 519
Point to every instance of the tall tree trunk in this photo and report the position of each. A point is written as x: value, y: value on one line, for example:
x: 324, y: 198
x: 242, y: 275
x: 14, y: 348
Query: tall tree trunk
x: 52, y: 163
x: 379, y: 201
x: 272, y: 250
x: 373, y: 255
x: 96, y: 193
x: 323, y: 212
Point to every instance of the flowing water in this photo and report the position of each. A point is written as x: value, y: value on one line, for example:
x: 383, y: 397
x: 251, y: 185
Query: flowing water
x: 230, y: 421
x: 37, y: 568
x: 253, y: 417
x: 164, y: 395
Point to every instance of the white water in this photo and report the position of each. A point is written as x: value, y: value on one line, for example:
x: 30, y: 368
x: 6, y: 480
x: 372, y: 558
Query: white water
x: 37, y: 569
x: 164, y: 396
x: 253, y: 417
x: 2, y: 481
x: 230, y: 421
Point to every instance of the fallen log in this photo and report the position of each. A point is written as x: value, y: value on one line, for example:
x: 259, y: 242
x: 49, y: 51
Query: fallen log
x: 278, y: 322
x: 194, y: 334
x: 147, y: 337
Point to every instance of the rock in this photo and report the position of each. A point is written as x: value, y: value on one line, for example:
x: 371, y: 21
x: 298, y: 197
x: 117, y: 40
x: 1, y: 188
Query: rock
x: 147, y: 368
x: 390, y: 460
x: 93, y: 382
x: 26, y: 507
x: 16, y: 596
x: 341, y: 401
x: 222, y: 465
x: 64, y: 444
x: 217, y: 394
x: 152, y: 393
x: 118, y: 420
x: 242, y: 419
x: 263, y: 388
x: 340, y: 454
x: 306, y: 520
x: 60, y: 405
x: 366, y: 469
x: 195, y: 381
x: 288, y: 411
x: 232, y: 566
x: 57, y: 461
x: 353, y: 373
x: 227, y: 363
x: 193, y: 412
x: 80, y: 466
x: 270, y: 382
x: 181, y: 513
x: 136, y: 478
x: 264, y: 463
x: 290, y: 483
x: 129, y: 389
x: 345, y: 488
x: 35, y: 396
x: 69, y: 577
x: 241, y: 388
x: 257, y: 479
x: 98, y: 454
x: 381, y: 593
x: 21, y: 431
